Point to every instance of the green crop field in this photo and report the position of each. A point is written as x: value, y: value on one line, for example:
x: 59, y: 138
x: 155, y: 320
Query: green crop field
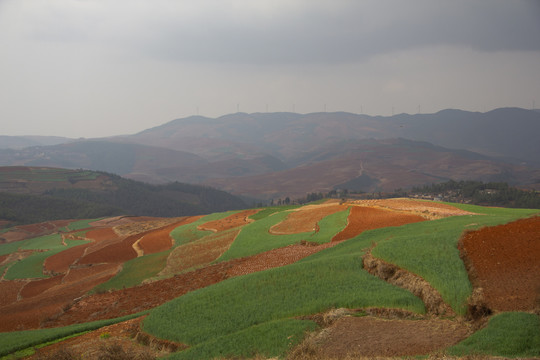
x: 429, y: 249
x: 333, y: 279
x: 135, y: 271
x: 255, y: 237
x: 513, y: 334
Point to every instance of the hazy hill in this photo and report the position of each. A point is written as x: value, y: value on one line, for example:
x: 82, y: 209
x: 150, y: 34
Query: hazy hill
x: 505, y: 132
x: 40, y: 194
x: 289, y: 154
x: 376, y: 165
x: 19, y: 142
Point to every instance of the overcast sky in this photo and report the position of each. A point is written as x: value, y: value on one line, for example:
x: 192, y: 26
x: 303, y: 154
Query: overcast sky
x: 92, y: 68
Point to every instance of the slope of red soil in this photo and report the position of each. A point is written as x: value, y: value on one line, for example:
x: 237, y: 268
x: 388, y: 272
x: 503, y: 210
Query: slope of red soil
x: 157, y: 240
x: 363, y: 218
x: 101, y: 234
x: 505, y: 263
x: 232, y: 221
x: 36, y: 287
x: 33, y: 312
x: 369, y: 336
x: 9, y: 289
x: 116, y: 252
x: 147, y: 296
x: 89, y: 272
x: 59, y: 263
x: 305, y: 218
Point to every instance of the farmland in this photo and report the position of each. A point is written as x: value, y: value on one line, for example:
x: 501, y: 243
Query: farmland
x: 273, y: 281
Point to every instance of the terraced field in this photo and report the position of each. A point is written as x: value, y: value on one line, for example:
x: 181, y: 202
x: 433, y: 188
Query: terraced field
x: 315, y: 281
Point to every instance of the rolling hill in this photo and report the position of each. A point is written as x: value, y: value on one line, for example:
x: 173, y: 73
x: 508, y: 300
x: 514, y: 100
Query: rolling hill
x: 35, y: 194
x: 319, y: 281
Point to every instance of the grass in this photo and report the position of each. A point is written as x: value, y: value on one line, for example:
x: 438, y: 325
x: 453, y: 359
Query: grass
x: 255, y: 238
x: 135, y: 271
x: 32, y: 266
x: 429, y: 249
x: 19, y: 340
x: 513, y: 334
x: 187, y: 233
x: 270, y: 339
x: 333, y: 279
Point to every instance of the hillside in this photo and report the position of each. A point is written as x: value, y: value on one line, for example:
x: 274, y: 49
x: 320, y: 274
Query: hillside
x: 266, y: 155
x: 31, y: 194
x: 339, y: 278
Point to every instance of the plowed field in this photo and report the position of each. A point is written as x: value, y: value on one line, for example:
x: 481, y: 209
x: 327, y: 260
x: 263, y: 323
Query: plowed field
x: 36, y: 287
x: 362, y: 218
x: 370, y: 337
x: 305, y: 219
x: 427, y: 209
x: 506, y: 264
x: 230, y: 222
x: 59, y: 263
x: 158, y: 240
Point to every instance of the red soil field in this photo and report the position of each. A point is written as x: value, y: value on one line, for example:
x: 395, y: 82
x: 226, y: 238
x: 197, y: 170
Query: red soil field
x: 117, y: 252
x: 101, y: 234
x: 232, y: 221
x: 505, y: 263
x: 147, y: 296
x: 3, y: 258
x: 363, y: 218
x: 305, y: 219
x: 9, y: 289
x: 36, y: 287
x: 59, y: 263
x: 157, y: 240
x: 35, y: 311
x: 89, y: 272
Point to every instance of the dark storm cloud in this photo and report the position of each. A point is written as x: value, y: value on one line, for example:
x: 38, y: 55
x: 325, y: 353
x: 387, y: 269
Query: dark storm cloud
x: 343, y: 31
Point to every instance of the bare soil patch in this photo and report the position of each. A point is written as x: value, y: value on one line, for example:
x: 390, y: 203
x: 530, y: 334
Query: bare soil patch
x: 362, y: 218
x: 9, y: 290
x: 145, y: 224
x: 230, y: 222
x: 116, y: 252
x: 59, y: 263
x: 158, y: 240
x: 369, y: 336
x: 36, y: 287
x: 427, y: 209
x: 504, y: 261
x: 305, y: 218
x: 101, y: 234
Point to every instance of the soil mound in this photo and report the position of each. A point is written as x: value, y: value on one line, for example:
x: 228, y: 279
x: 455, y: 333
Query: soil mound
x: 504, y: 261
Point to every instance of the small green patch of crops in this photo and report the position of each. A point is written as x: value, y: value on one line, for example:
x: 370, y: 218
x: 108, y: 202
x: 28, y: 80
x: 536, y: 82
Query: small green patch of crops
x: 184, y: 234
x: 429, y: 249
x: 18, y: 340
x: 255, y: 238
x: 79, y: 224
x: 135, y: 271
x: 269, y: 339
x: 242, y: 305
x: 32, y: 266
x: 513, y: 334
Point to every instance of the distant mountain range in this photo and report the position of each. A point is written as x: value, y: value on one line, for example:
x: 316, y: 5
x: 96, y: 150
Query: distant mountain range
x: 270, y: 155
